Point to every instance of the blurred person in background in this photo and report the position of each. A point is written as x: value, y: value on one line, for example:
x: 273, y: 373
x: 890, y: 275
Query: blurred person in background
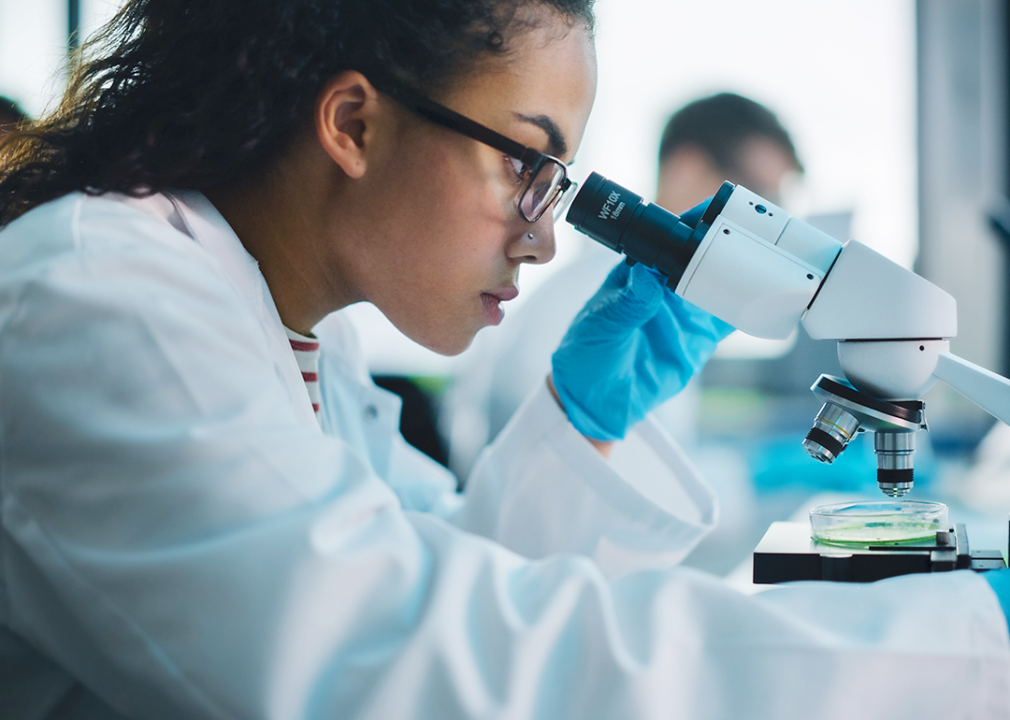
x: 723, y: 137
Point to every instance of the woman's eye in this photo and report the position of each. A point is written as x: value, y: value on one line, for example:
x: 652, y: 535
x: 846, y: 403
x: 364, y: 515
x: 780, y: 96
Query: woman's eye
x: 518, y: 166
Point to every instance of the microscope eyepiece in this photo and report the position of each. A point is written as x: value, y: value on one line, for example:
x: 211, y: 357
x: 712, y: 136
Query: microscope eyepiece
x: 618, y: 218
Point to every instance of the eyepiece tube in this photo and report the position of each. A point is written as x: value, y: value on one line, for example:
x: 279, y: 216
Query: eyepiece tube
x: 618, y: 218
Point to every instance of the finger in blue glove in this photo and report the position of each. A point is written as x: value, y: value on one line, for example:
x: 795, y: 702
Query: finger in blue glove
x: 632, y: 347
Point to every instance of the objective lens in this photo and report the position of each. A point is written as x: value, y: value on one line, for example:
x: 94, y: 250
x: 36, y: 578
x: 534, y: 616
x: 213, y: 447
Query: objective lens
x: 833, y: 428
x: 894, y: 462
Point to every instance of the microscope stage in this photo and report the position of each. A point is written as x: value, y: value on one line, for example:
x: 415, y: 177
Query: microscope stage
x: 788, y: 553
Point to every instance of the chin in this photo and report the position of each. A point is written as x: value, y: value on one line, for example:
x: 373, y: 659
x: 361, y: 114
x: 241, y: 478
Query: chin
x: 451, y: 347
x: 448, y: 344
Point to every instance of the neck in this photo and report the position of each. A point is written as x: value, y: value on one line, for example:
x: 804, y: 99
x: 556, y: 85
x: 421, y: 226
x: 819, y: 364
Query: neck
x: 285, y: 220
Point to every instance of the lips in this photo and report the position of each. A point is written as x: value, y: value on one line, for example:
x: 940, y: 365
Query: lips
x: 492, y: 301
x: 505, y: 294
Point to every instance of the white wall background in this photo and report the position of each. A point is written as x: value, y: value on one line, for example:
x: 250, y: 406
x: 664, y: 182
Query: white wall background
x: 33, y: 47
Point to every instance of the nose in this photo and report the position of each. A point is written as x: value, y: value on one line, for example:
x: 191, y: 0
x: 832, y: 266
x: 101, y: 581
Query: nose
x: 535, y: 244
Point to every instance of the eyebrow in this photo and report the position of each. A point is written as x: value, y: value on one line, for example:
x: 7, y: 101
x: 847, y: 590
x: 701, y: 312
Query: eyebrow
x: 556, y: 144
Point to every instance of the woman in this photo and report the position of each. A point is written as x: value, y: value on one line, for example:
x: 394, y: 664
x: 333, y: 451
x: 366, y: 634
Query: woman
x: 207, y: 510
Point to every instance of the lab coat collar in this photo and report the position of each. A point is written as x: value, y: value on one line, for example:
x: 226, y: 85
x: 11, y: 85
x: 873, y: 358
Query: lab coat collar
x: 209, y: 228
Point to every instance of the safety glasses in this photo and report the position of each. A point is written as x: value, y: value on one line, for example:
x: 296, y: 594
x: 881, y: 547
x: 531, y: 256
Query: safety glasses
x: 545, y: 178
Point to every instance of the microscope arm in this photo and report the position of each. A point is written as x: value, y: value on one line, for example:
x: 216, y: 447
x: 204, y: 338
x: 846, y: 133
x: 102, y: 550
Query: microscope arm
x: 989, y: 391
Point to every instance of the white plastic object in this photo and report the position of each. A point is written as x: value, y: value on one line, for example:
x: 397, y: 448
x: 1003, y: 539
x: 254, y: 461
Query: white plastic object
x: 748, y: 282
x: 989, y: 391
x: 752, y: 213
x: 892, y: 370
x: 805, y: 242
x: 767, y: 221
x: 865, y: 296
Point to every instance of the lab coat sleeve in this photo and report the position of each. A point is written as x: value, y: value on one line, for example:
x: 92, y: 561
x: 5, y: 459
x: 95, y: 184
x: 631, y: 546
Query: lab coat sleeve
x: 184, y: 549
x: 541, y: 488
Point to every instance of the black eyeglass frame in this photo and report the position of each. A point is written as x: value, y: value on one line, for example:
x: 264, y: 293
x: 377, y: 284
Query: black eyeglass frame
x: 530, y: 157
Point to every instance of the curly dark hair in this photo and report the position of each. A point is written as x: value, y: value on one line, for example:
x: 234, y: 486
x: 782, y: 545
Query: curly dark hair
x: 198, y: 93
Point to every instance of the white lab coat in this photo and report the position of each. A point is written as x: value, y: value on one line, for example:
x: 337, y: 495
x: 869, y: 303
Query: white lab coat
x: 180, y: 540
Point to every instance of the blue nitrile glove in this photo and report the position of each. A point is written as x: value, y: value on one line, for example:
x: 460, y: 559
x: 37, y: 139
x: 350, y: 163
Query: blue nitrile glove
x: 1000, y: 582
x: 632, y: 347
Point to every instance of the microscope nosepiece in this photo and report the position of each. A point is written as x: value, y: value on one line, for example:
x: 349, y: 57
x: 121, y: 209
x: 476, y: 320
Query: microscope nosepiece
x: 847, y: 411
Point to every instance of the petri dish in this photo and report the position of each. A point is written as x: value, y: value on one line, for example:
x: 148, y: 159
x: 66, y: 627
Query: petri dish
x: 877, y: 523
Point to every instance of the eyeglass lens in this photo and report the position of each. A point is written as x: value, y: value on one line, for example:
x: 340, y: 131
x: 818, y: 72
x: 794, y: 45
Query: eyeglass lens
x: 542, y: 190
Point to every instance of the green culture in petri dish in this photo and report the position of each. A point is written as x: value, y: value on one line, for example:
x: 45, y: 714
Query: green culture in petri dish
x: 877, y: 523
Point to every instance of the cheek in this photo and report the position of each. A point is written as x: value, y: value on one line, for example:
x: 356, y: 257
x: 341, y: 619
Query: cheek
x: 444, y: 232
x: 454, y: 207
x: 440, y: 239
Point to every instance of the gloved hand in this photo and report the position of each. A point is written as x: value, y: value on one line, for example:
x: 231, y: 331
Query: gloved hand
x: 632, y: 347
x: 1000, y: 582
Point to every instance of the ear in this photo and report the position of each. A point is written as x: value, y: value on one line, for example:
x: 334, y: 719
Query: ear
x: 345, y: 115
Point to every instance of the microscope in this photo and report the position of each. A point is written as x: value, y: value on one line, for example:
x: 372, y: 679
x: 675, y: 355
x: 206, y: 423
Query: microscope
x: 751, y: 264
